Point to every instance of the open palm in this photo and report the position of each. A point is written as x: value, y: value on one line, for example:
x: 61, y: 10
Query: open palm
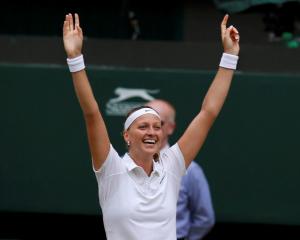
x: 72, y: 36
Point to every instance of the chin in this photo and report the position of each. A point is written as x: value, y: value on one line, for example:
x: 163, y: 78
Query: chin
x: 151, y: 150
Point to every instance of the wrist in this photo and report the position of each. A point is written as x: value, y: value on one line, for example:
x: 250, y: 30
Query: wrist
x: 232, y: 51
x: 76, y: 64
x: 229, y: 61
x: 73, y: 55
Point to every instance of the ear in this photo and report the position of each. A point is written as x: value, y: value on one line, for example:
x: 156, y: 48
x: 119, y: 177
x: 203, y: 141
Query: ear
x: 126, y: 136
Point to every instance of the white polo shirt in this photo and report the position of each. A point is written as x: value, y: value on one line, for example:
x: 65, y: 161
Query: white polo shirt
x: 136, y: 206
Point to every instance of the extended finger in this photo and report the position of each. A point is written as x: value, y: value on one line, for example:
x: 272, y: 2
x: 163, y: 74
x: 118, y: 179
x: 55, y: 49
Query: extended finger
x: 71, y: 22
x: 65, y: 27
x: 68, y: 21
x: 223, y: 25
x: 77, y: 24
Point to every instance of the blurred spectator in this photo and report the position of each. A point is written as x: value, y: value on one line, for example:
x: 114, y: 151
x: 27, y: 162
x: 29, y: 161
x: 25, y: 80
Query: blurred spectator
x: 134, y: 24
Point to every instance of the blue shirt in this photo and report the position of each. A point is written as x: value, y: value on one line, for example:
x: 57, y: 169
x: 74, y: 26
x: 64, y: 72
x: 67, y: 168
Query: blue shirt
x: 195, y: 214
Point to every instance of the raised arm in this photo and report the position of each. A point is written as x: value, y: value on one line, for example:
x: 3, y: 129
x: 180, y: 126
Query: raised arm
x: 193, y: 138
x: 96, y: 130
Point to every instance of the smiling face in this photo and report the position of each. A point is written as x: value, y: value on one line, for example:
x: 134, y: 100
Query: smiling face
x: 144, y: 136
x: 167, y: 114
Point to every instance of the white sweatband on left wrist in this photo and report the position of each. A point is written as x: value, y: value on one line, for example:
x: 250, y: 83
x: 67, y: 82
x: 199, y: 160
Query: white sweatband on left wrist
x: 76, y: 64
x: 229, y: 61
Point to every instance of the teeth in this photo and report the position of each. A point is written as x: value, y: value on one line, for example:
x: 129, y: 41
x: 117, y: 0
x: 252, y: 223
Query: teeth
x: 149, y: 141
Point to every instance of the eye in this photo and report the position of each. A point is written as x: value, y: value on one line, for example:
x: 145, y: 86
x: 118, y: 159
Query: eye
x: 157, y: 127
x: 142, y: 126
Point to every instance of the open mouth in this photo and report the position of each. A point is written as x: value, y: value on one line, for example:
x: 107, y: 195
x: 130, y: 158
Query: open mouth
x: 149, y: 141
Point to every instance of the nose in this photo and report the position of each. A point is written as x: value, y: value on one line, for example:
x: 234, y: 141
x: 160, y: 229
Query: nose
x: 150, y: 131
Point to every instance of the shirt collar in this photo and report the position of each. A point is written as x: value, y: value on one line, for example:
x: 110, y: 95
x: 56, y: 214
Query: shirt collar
x: 131, y: 165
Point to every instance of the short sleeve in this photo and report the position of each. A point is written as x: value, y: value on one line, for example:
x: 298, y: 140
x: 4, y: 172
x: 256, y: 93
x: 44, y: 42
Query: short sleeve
x: 111, y: 165
x: 173, y: 161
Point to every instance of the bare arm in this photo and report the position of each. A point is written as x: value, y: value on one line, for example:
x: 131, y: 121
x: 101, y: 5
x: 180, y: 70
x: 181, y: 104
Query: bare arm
x: 193, y: 138
x: 96, y: 129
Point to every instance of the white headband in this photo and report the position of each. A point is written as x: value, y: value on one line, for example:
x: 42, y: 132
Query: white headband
x: 137, y: 114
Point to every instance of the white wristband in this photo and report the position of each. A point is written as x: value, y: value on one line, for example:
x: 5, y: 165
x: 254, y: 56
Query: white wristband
x: 229, y: 61
x: 76, y: 64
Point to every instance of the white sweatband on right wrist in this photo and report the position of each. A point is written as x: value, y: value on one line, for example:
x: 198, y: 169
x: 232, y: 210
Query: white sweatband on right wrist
x: 76, y: 64
x: 229, y: 61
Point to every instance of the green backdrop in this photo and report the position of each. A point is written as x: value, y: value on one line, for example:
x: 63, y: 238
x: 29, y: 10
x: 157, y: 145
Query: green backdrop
x: 251, y: 157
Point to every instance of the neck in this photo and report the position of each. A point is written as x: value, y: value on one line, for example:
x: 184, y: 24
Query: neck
x: 143, y: 161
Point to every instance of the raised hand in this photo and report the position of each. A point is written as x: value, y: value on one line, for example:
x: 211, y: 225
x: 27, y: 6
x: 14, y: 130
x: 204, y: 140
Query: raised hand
x: 230, y: 37
x: 72, y: 36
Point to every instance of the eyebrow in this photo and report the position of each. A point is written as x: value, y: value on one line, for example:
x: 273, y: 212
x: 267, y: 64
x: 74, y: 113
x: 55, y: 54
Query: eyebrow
x: 147, y: 123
